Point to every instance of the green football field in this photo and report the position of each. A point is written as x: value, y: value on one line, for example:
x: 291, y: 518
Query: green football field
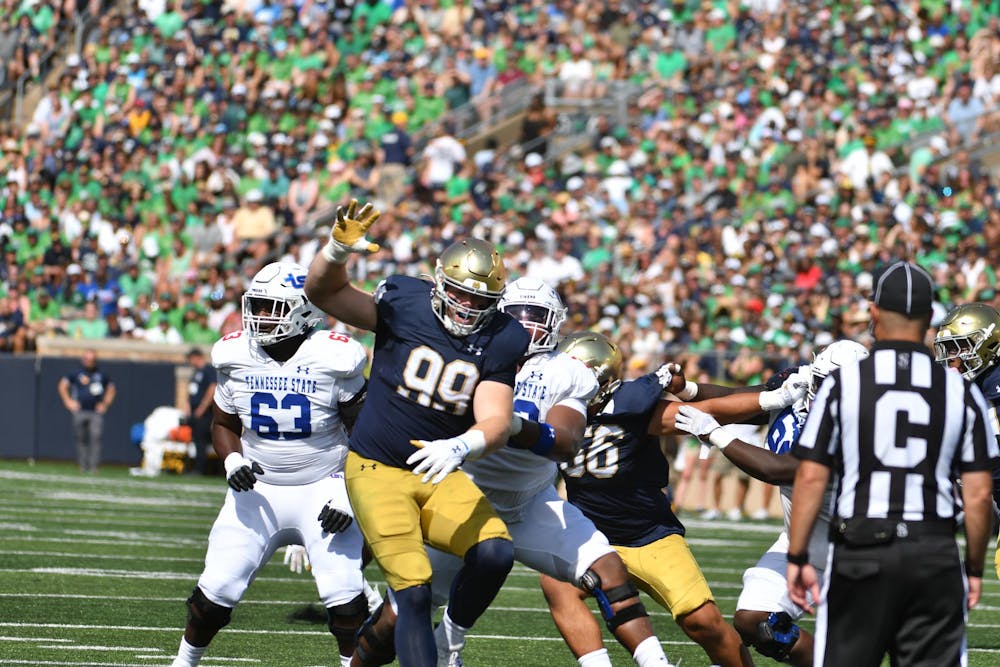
x: 95, y: 570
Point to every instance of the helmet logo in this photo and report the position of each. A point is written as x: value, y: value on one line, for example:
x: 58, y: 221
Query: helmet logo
x: 298, y: 282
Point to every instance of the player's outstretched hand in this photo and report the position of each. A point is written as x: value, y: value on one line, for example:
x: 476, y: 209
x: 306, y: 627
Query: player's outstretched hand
x: 349, y: 229
x: 333, y: 518
x: 671, y: 377
x: 296, y: 558
x: 241, y: 474
x: 692, y: 420
x: 792, y: 389
x: 437, y: 458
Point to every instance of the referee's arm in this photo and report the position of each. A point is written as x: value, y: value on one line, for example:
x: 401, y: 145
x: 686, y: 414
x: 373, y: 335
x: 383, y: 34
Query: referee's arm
x: 979, y: 453
x: 815, y: 448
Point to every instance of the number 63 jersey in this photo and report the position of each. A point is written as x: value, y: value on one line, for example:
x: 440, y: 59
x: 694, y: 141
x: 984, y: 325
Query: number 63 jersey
x: 618, y: 477
x: 291, y: 424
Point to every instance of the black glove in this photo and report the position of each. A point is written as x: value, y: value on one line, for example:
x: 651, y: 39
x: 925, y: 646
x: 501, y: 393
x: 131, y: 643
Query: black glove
x: 334, y: 520
x: 240, y: 473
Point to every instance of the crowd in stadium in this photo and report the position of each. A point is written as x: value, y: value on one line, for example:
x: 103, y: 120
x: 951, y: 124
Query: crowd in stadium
x: 774, y: 160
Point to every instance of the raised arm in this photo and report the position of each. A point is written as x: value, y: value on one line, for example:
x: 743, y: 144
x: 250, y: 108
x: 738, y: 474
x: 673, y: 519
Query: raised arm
x: 327, y: 284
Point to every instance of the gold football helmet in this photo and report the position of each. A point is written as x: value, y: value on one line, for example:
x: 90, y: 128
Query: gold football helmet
x: 600, y: 355
x: 469, y: 280
x: 971, y: 334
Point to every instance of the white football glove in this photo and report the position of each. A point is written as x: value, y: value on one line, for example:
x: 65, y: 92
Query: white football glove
x: 296, y: 558
x: 792, y: 389
x: 438, y: 458
x: 703, y: 426
x: 666, y: 373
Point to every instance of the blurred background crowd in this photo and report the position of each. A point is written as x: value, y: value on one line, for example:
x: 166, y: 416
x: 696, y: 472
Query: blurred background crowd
x: 775, y: 154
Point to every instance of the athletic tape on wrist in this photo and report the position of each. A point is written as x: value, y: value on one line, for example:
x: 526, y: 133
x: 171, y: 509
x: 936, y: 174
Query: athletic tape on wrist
x: 721, y: 438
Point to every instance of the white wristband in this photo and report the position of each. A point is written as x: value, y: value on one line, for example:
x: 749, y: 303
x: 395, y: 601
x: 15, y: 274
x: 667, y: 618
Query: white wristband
x: 516, y: 424
x: 689, y: 391
x: 721, y: 438
x: 233, y: 461
x: 475, y: 441
x: 335, y: 252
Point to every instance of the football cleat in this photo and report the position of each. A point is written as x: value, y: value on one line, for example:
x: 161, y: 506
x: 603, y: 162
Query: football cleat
x: 600, y: 355
x: 832, y: 357
x: 275, y: 307
x: 469, y: 280
x: 538, y: 308
x: 971, y: 335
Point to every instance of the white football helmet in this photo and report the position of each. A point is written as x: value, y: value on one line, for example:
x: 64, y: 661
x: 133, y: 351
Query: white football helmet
x: 836, y: 354
x: 538, y: 308
x: 275, y: 307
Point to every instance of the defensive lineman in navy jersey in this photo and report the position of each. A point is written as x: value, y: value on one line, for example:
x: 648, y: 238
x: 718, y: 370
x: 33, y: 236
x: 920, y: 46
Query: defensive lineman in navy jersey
x: 412, y: 353
x: 618, y: 480
x: 441, y: 392
x: 968, y: 339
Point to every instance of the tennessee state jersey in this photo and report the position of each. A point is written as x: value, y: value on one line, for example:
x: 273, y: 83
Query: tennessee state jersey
x: 784, y: 427
x: 422, y: 378
x: 544, y: 381
x: 618, y: 477
x: 291, y: 424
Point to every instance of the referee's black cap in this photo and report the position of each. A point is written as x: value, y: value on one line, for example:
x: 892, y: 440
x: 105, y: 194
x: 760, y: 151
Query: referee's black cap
x: 905, y: 288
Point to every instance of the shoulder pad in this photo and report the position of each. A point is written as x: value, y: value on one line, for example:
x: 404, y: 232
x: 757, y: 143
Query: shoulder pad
x: 338, y: 352
x: 228, y: 349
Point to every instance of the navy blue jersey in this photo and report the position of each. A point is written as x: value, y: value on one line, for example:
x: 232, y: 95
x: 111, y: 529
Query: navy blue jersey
x: 989, y: 382
x: 88, y: 387
x: 423, y: 378
x: 617, y: 478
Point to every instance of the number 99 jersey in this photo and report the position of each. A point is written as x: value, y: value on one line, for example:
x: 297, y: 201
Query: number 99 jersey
x: 618, y: 476
x: 423, y: 379
x: 291, y: 424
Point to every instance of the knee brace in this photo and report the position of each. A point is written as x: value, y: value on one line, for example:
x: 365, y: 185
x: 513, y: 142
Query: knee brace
x: 205, y: 615
x: 373, y: 649
x: 776, y: 636
x: 591, y: 582
x: 344, y: 620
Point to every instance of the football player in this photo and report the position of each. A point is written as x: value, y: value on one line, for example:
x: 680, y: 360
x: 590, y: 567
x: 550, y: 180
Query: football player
x: 441, y: 393
x: 617, y: 480
x: 765, y: 614
x: 968, y: 339
x: 551, y: 394
x: 285, y: 391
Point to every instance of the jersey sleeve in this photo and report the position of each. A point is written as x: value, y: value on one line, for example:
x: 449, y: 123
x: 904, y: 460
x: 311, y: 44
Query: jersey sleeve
x: 386, y: 295
x: 635, y: 399
x: 583, y: 386
x: 224, y: 393
x: 222, y: 358
x: 352, y: 382
x: 822, y: 425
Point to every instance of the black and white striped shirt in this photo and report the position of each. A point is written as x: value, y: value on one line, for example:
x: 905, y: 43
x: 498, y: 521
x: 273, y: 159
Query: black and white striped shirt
x: 896, y: 428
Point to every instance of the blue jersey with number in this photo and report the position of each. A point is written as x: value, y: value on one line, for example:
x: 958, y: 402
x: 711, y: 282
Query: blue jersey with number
x: 619, y: 476
x: 783, y: 431
x: 422, y: 378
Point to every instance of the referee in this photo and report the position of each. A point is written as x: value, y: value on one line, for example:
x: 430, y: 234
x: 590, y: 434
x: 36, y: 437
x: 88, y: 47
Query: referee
x: 895, y: 429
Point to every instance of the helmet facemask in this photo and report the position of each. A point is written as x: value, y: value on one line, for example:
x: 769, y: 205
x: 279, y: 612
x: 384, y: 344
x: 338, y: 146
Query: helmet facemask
x: 967, y: 348
x: 541, y: 321
x: 462, y: 319
x: 269, y: 319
